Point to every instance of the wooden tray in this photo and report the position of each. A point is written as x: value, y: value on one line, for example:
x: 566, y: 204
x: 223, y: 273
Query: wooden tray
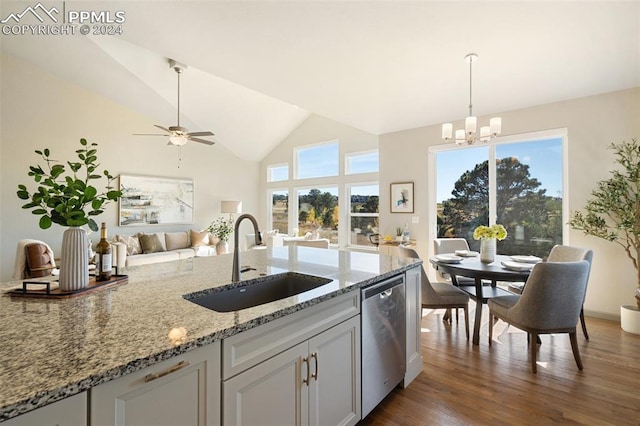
x: 49, y: 289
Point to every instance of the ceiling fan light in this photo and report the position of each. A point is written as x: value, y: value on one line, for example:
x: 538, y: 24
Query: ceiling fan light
x: 178, y: 140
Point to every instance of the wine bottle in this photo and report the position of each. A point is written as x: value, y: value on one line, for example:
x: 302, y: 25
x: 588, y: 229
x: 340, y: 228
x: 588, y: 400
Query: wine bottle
x: 103, y: 256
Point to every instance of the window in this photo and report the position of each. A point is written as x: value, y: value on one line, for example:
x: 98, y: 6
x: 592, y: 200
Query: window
x: 277, y: 172
x: 518, y: 184
x: 318, y: 213
x: 363, y: 214
x: 280, y: 210
x: 361, y: 162
x: 317, y: 160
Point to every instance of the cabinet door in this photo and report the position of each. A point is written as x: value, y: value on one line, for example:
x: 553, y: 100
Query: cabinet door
x: 271, y: 393
x: 71, y: 411
x: 183, y: 390
x: 334, y: 392
x: 413, y: 305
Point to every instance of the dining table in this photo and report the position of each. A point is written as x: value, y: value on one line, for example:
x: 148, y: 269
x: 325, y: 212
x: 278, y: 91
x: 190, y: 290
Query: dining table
x: 481, y: 272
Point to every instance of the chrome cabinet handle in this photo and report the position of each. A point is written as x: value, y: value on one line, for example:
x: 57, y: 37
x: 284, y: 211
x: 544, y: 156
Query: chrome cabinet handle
x: 306, y: 361
x: 315, y: 374
x: 151, y: 377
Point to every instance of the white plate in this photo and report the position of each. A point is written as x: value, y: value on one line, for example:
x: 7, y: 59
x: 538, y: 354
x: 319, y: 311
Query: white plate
x: 516, y: 266
x: 448, y: 258
x: 525, y: 259
x: 467, y: 253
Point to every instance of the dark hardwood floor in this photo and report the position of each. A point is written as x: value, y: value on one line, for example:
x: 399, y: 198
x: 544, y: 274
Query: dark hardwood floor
x: 462, y: 384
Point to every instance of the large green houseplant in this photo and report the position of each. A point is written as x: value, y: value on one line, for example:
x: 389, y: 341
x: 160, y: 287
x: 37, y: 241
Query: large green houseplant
x: 68, y: 200
x: 613, y: 212
x: 65, y: 194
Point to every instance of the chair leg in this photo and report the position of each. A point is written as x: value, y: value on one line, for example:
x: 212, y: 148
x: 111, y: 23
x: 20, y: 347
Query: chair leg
x: 584, y: 325
x: 533, y: 346
x: 457, y: 310
x: 466, y: 320
x: 576, y: 351
x: 490, y: 327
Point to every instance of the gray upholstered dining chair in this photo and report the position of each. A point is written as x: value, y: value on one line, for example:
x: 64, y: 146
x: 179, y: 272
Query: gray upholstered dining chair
x: 550, y: 303
x: 560, y: 253
x: 449, y: 245
x: 439, y: 295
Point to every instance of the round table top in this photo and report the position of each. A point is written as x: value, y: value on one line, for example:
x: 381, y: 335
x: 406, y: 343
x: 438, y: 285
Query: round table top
x: 472, y: 267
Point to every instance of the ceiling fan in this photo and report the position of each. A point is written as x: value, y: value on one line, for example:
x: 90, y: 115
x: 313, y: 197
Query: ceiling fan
x: 179, y: 135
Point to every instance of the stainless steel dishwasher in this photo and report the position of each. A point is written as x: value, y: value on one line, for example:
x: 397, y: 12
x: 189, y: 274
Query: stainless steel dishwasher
x: 383, y: 340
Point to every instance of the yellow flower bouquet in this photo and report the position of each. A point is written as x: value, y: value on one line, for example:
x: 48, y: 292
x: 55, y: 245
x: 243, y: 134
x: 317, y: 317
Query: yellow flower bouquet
x: 494, y: 231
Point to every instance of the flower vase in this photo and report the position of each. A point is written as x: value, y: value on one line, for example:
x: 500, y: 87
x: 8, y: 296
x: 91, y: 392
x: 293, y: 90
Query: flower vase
x: 74, y: 260
x: 487, y: 250
x: 222, y: 247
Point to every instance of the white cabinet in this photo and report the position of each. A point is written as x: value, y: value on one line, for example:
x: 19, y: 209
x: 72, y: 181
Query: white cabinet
x: 183, y: 390
x: 413, y: 306
x: 71, y: 411
x: 316, y: 382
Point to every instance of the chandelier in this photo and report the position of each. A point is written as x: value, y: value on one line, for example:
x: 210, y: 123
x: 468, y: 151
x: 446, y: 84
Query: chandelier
x: 469, y: 134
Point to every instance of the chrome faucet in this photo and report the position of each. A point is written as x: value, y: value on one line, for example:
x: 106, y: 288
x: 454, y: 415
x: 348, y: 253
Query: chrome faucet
x: 235, y: 276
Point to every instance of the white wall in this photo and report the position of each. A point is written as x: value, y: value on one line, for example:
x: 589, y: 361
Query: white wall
x: 40, y: 110
x: 592, y: 123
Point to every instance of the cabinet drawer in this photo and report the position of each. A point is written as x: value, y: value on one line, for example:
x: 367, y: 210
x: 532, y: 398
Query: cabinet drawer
x: 246, y: 349
x: 71, y: 411
x: 184, y: 389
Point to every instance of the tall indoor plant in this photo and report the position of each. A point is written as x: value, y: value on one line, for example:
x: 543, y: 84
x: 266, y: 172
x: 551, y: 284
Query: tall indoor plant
x: 613, y: 212
x: 65, y: 195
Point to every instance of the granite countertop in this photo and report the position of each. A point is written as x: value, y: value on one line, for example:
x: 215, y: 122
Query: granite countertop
x: 51, y: 349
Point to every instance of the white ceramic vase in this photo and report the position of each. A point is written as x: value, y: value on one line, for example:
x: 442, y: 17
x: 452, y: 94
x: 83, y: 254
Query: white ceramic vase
x: 630, y: 319
x: 222, y: 247
x: 74, y: 260
x: 487, y: 250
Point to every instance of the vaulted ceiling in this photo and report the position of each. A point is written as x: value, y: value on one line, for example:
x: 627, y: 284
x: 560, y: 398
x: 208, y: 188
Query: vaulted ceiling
x: 258, y: 69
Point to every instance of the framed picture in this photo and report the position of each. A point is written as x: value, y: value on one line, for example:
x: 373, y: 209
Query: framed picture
x: 402, y: 197
x: 155, y: 200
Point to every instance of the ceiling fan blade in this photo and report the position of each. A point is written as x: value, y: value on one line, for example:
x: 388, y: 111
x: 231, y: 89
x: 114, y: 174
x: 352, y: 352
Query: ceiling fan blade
x: 201, y: 141
x: 148, y: 134
x: 163, y: 128
x: 207, y: 133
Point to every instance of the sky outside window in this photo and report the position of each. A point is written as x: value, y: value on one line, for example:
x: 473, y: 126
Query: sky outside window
x: 365, y: 162
x: 317, y: 161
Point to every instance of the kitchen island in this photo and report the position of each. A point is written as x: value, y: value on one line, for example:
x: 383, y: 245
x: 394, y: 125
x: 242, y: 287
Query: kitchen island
x: 53, y: 349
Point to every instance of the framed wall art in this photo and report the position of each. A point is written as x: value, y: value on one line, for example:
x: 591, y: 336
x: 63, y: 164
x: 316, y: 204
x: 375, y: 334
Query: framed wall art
x: 402, y: 197
x: 155, y: 200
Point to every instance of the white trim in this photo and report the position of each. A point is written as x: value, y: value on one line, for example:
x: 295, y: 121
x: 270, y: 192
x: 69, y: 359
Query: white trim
x: 360, y: 153
x: 348, y: 215
x: 561, y: 132
x: 272, y: 166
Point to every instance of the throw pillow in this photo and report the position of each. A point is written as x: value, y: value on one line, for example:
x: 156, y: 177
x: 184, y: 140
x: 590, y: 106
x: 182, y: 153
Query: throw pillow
x: 131, y: 241
x: 151, y: 243
x: 176, y: 240
x: 199, y: 238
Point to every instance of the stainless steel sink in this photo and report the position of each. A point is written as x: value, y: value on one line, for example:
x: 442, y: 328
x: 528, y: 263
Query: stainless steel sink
x: 257, y: 291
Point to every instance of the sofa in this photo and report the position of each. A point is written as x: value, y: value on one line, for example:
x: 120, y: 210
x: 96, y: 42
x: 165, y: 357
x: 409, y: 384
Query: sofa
x: 143, y: 248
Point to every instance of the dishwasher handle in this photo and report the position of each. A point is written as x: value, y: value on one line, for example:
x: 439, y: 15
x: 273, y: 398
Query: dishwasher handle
x: 384, y: 287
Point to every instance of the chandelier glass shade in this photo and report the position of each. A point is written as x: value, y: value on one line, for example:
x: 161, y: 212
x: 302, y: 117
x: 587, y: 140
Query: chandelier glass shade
x: 469, y: 135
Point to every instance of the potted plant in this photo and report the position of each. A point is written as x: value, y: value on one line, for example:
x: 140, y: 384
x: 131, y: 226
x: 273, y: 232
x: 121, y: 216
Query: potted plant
x: 488, y: 236
x: 398, y: 234
x: 66, y: 195
x: 221, y: 228
x: 613, y: 212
